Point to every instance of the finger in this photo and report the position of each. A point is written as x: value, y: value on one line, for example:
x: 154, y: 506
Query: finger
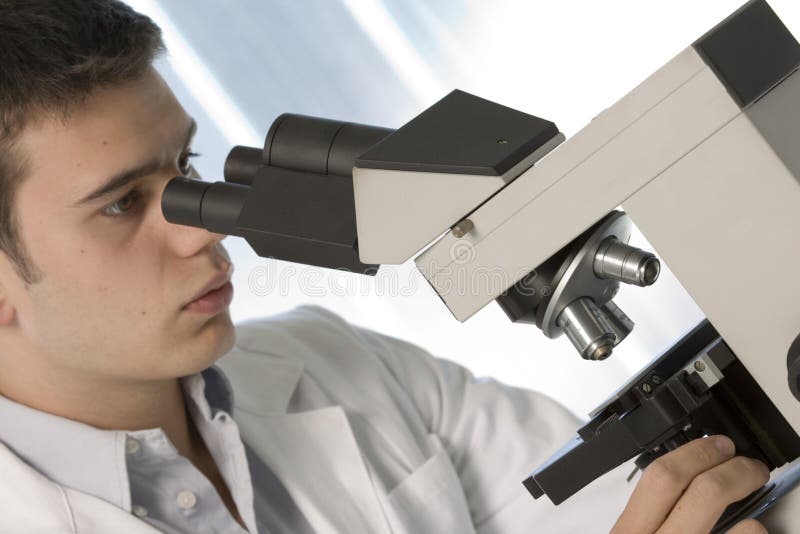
x: 703, y: 502
x: 748, y: 526
x: 664, y: 481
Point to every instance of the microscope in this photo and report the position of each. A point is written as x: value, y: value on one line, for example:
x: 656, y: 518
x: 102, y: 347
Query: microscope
x: 497, y: 205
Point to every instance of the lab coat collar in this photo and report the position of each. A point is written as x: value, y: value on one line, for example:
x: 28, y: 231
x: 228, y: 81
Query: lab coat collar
x: 61, y: 448
x: 265, y: 382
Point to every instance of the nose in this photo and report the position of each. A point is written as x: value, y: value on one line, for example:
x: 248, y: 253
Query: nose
x: 188, y: 241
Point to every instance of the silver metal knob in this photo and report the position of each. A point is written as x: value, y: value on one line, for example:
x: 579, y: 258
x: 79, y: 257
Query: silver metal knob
x: 462, y: 228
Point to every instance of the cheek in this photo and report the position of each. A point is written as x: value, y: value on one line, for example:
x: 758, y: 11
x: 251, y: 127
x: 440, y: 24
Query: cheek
x: 99, y: 320
x: 100, y: 287
x: 105, y: 285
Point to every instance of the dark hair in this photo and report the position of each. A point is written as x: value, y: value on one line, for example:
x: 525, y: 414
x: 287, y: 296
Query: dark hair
x: 53, y: 53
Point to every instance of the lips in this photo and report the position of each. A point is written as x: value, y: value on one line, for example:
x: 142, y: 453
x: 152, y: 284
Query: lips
x: 219, y: 280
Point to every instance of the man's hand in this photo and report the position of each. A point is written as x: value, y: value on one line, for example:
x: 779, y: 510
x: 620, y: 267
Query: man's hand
x: 686, y: 490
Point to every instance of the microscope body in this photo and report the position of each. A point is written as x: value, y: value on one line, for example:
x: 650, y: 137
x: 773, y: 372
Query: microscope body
x: 496, y: 205
x: 703, y: 157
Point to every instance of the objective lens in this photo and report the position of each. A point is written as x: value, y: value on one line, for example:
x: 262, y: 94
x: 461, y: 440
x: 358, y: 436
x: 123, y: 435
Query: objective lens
x: 621, y: 324
x: 619, y: 261
x: 588, y: 328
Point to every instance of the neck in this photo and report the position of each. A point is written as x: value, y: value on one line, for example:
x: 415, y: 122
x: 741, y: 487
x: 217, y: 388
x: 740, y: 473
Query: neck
x: 104, y: 404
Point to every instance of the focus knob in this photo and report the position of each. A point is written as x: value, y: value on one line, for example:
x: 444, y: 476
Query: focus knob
x: 793, y: 363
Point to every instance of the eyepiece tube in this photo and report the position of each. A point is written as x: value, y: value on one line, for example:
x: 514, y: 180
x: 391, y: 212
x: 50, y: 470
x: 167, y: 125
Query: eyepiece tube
x: 213, y: 206
x: 321, y: 146
x: 242, y: 164
x: 181, y: 201
x: 352, y: 141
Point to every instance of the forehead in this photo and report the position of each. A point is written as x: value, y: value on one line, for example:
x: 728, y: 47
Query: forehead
x: 113, y: 129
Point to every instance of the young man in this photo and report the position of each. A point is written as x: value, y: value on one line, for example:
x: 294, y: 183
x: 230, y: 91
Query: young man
x: 113, y: 417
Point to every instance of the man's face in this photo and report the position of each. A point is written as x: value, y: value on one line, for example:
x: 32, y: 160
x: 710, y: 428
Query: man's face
x: 116, y: 273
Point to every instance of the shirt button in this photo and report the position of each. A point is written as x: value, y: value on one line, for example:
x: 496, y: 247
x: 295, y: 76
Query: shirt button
x: 132, y: 446
x: 139, y: 511
x: 187, y: 499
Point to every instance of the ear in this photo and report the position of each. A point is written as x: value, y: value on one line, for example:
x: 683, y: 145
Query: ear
x: 7, y: 310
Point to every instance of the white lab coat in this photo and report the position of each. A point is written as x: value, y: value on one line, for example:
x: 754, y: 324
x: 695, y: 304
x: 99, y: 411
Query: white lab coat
x: 337, y: 411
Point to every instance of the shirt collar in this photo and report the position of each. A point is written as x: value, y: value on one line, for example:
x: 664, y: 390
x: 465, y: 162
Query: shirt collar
x: 87, y: 458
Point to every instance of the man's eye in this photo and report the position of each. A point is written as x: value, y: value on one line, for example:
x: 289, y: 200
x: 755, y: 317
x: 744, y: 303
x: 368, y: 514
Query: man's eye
x: 185, y: 163
x: 124, y: 206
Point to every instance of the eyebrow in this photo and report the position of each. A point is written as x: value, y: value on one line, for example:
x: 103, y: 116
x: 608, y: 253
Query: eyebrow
x: 120, y: 180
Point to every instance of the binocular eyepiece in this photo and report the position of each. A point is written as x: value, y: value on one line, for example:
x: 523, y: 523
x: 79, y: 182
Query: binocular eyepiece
x: 292, y: 200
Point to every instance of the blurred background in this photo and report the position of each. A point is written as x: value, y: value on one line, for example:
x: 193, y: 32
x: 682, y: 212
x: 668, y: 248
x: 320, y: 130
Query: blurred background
x: 238, y: 64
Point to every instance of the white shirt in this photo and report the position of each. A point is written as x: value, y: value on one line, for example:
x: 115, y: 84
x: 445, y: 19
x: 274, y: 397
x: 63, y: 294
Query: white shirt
x: 141, y: 471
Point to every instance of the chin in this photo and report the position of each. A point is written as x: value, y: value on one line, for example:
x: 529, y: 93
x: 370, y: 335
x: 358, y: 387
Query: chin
x: 229, y: 340
x: 215, y: 341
